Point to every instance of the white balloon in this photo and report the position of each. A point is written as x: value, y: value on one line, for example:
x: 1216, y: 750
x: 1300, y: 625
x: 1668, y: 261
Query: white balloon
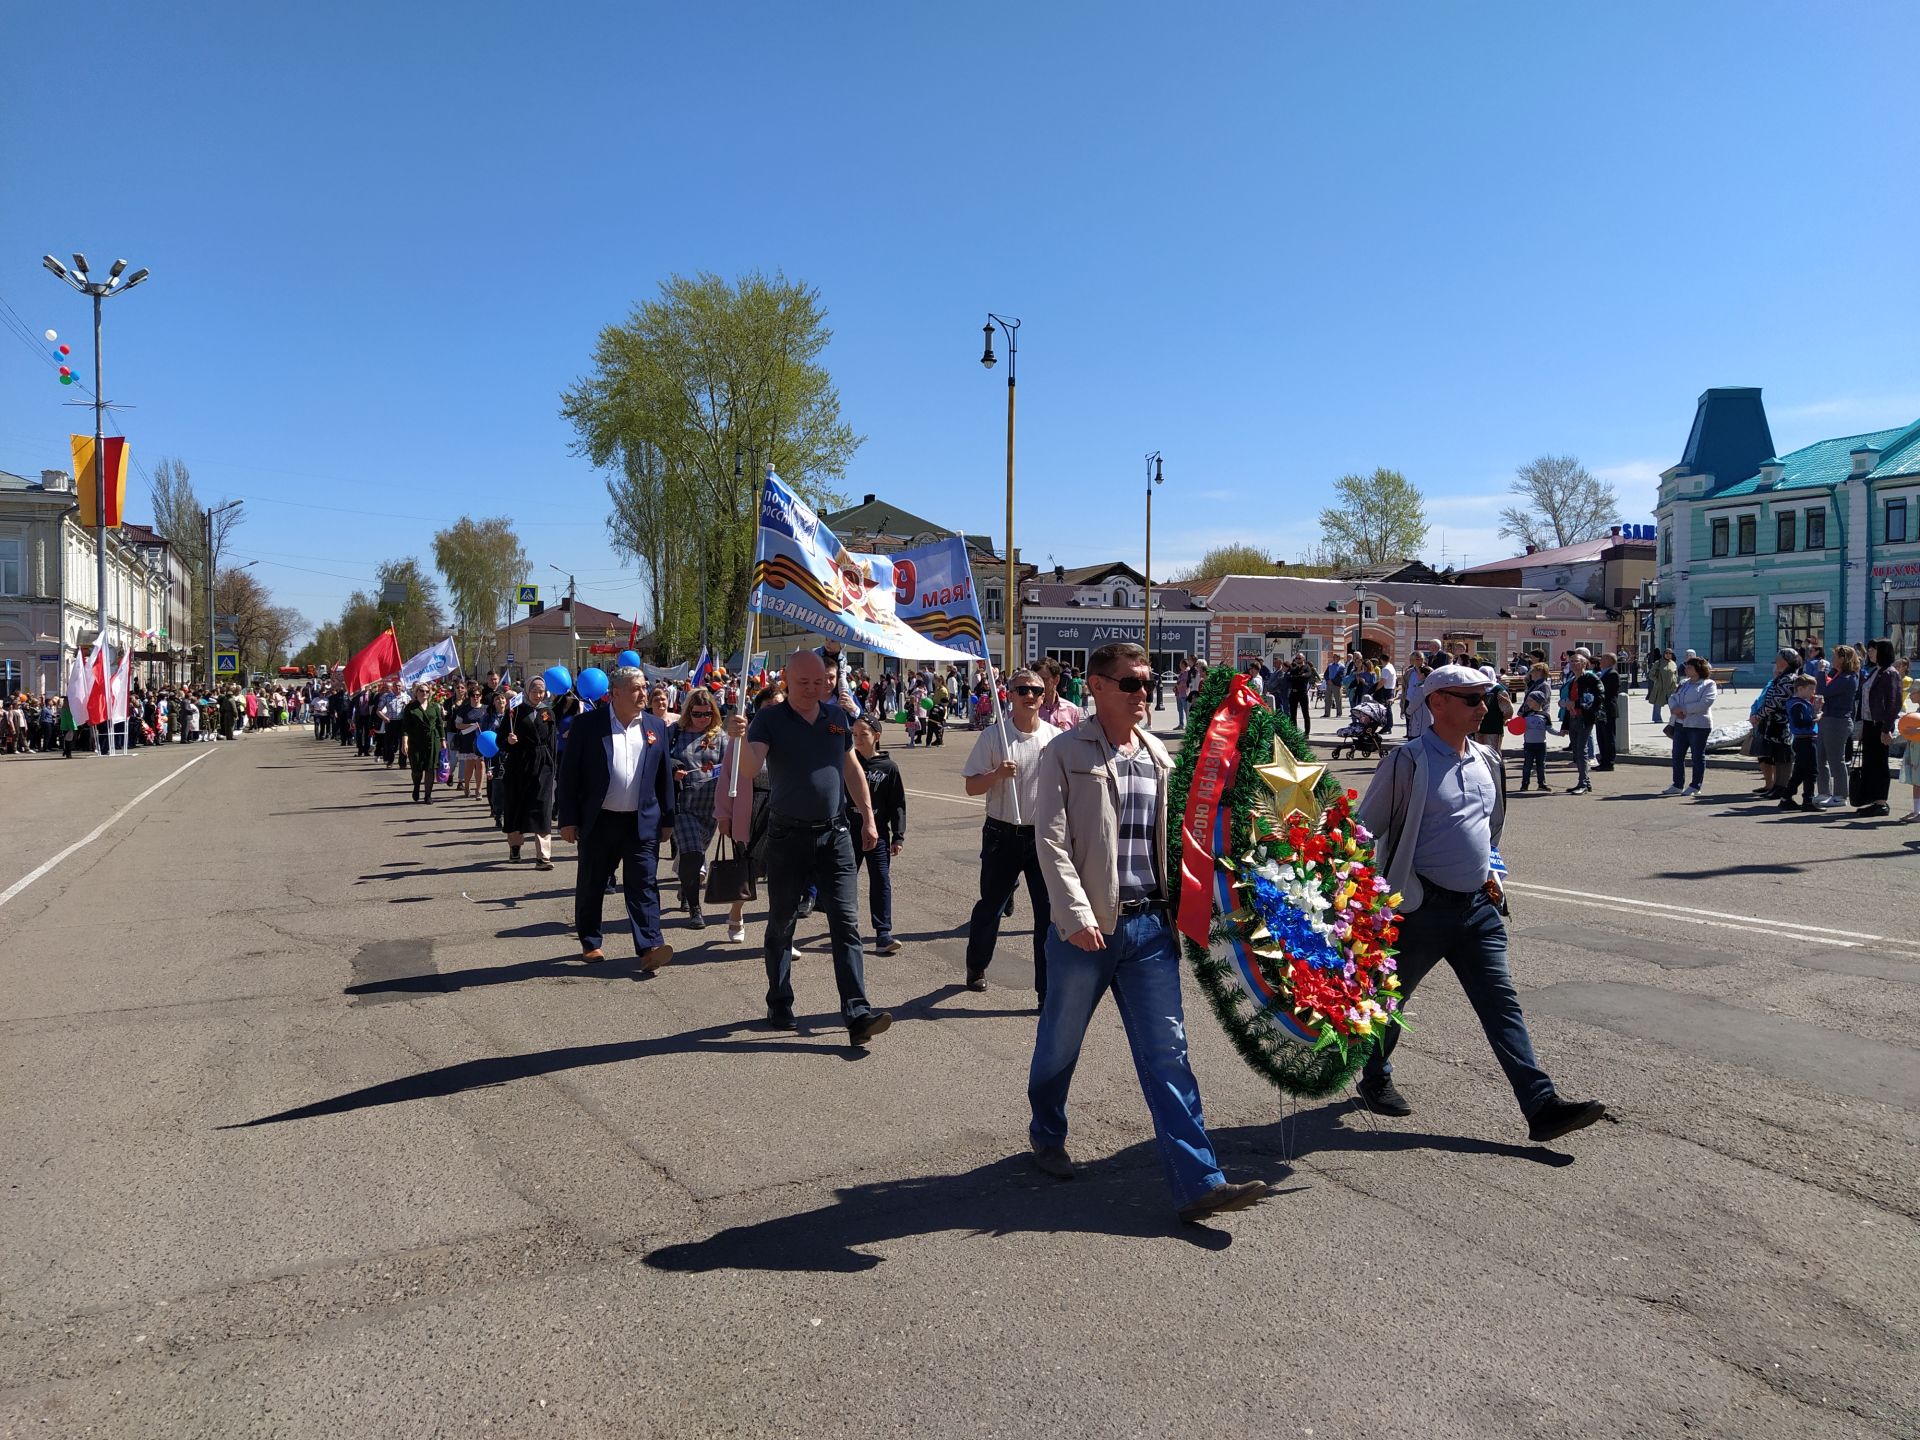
x: 52, y: 335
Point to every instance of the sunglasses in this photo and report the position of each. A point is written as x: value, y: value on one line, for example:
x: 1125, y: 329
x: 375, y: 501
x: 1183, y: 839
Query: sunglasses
x: 1474, y: 699
x: 1029, y: 689
x: 1128, y: 684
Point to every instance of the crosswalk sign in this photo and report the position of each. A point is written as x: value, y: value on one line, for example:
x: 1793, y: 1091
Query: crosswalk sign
x: 529, y: 595
x: 226, y: 662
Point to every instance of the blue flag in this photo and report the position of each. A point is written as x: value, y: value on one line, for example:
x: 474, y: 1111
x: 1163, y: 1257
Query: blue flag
x: 933, y: 592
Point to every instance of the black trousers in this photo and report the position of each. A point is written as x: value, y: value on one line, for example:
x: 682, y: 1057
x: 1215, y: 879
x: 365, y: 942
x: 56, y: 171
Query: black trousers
x: 1007, y: 853
x: 425, y: 767
x: 1604, y: 738
x: 800, y: 855
x: 614, y: 842
x: 1874, y: 779
x: 1300, y: 709
x: 1806, y: 767
x: 878, y: 863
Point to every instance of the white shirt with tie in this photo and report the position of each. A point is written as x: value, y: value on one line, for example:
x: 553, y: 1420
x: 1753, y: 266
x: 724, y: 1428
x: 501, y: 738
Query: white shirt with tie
x: 629, y: 746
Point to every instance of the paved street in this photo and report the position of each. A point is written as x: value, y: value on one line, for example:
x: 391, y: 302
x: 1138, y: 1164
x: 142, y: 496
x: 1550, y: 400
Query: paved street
x: 313, y: 1127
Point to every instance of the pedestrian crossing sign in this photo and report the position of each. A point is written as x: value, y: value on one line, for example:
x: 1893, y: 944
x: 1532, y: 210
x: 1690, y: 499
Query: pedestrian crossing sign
x: 226, y: 662
x: 528, y: 595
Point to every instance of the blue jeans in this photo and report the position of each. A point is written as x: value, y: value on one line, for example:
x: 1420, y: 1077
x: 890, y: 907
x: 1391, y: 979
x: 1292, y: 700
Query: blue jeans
x: 1533, y: 762
x: 878, y: 863
x: 1142, y: 966
x: 1690, y: 743
x: 1466, y: 932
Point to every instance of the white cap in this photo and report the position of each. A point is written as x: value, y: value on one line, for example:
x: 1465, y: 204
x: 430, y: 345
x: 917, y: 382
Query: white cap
x: 1456, y: 677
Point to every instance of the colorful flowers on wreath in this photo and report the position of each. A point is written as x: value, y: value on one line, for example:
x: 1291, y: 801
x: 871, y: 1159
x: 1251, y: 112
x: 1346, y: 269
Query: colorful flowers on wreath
x: 1322, y: 924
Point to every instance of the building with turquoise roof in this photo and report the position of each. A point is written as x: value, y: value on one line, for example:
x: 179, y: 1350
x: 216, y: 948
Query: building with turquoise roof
x: 1820, y: 546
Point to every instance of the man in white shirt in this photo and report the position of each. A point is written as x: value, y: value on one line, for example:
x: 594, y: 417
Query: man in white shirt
x: 1006, y: 771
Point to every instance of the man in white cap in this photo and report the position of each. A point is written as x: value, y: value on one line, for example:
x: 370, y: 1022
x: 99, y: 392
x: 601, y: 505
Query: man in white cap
x: 1435, y: 808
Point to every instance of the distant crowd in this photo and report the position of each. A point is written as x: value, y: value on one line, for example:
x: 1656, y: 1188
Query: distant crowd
x: 156, y: 715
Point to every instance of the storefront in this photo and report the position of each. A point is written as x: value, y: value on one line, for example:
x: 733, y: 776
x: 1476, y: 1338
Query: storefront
x: 1177, y: 637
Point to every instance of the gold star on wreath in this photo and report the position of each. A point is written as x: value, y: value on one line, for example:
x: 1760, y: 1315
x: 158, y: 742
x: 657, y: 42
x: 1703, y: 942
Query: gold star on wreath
x: 1292, y: 782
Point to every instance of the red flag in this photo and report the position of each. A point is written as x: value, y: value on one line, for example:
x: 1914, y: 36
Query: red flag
x: 97, y: 708
x: 633, y: 635
x: 376, y: 662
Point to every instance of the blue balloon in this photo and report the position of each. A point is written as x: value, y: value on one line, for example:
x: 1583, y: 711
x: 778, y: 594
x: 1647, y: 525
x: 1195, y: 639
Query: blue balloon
x: 629, y: 658
x: 559, y: 679
x: 592, y: 684
x: 487, y: 743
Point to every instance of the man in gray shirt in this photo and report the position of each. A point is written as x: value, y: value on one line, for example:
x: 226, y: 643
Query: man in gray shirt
x: 1435, y: 808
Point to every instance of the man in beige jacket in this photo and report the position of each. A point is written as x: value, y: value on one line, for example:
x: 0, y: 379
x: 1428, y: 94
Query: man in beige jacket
x: 1100, y: 826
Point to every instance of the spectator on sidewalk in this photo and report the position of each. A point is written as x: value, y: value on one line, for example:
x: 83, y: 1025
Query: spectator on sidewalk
x: 1692, y: 711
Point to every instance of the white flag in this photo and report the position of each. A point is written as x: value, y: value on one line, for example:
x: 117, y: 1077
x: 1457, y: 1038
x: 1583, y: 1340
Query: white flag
x: 431, y: 663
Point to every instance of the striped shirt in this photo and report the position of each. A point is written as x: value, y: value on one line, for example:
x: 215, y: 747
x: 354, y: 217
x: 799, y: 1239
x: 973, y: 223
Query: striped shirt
x: 1139, y: 808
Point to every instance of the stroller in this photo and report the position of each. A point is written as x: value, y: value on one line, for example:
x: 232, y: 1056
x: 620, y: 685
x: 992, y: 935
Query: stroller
x: 1361, y: 734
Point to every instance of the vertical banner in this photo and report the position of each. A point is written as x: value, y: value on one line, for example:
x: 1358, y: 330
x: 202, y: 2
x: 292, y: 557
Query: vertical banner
x: 83, y: 481
x: 933, y: 592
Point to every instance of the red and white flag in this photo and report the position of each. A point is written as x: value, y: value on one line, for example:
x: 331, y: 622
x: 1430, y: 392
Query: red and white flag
x: 122, y: 686
x: 87, y: 687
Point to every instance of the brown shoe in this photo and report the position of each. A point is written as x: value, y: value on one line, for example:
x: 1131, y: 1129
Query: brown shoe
x: 1225, y: 1197
x: 593, y: 956
x: 656, y: 957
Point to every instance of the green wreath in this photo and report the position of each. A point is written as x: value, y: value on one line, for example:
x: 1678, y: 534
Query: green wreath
x: 1252, y: 839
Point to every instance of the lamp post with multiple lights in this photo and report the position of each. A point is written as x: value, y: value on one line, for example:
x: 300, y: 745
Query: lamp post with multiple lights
x: 1154, y: 477
x: 99, y: 290
x: 1009, y: 611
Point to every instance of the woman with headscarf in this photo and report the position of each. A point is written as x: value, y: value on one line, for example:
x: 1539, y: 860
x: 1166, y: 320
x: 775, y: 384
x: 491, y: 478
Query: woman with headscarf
x: 532, y: 760
x: 1770, y: 743
x: 1662, y: 680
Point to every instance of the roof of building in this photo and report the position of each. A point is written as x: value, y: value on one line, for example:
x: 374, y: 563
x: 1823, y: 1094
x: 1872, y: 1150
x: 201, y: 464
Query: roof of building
x: 1829, y: 462
x: 1575, y: 554
x: 589, y: 617
x: 1287, y: 595
x: 1410, y: 569
x: 874, y: 516
x: 1054, y: 595
x: 1730, y: 437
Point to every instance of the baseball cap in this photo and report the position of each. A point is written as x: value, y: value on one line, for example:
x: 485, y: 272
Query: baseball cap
x: 1455, y: 677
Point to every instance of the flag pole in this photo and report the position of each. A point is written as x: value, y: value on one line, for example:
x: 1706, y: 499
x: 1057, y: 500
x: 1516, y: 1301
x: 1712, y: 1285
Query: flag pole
x: 993, y: 686
x: 749, y: 629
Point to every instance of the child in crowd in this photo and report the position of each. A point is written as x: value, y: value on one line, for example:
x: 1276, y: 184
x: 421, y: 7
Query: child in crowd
x: 889, y: 793
x: 1533, y: 709
x: 1803, y: 716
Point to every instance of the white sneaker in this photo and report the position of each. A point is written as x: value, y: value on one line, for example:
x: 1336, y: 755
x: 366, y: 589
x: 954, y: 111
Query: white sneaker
x: 1692, y: 790
x: 737, y: 934
x: 1673, y: 790
x: 1833, y: 802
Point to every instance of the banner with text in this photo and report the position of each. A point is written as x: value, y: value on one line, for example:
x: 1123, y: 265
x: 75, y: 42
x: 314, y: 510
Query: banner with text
x: 933, y: 592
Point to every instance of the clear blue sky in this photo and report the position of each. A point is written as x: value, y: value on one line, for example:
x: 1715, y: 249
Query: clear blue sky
x: 1276, y: 242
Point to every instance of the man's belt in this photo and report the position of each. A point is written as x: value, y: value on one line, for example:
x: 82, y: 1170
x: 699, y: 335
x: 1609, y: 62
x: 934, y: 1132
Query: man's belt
x: 1148, y: 905
x: 1431, y: 888
x: 804, y: 827
x: 1009, y: 826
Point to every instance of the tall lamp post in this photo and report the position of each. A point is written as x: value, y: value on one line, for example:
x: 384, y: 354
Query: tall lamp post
x: 1154, y: 477
x: 1886, y: 606
x: 213, y: 565
x: 1416, y: 611
x: 78, y: 278
x: 1010, y: 611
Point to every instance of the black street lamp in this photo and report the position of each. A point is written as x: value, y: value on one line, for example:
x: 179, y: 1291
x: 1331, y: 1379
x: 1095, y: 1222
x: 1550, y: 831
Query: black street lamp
x: 1011, y: 329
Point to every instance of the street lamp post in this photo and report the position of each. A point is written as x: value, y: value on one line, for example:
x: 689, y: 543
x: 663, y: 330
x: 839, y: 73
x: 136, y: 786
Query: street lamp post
x: 1154, y: 477
x: 1416, y: 612
x: 1886, y: 606
x: 1009, y: 611
x: 99, y: 290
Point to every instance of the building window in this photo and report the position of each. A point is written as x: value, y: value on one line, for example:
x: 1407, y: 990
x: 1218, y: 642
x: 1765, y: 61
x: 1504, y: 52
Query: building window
x: 10, y: 579
x: 11, y: 681
x: 1896, y: 530
x: 990, y: 606
x: 1369, y: 611
x: 1666, y: 547
x: 1732, y: 640
x: 1816, y: 529
x: 1747, y: 535
x: 1720, y: 538
x: 1783, y: 533
x: 1903, y: 626
x: 1802, y: 626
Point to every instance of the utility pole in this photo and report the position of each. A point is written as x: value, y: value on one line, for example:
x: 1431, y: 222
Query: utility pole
x: 573, y: 622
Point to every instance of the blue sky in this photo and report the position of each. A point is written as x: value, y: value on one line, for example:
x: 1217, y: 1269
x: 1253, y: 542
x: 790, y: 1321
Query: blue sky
x: 1275, y: 242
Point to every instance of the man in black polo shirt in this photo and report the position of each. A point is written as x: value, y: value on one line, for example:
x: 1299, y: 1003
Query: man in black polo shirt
x: 806, y: 744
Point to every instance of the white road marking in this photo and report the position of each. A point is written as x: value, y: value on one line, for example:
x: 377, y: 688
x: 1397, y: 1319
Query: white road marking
x: 944, y: 795
x: 1688, y: 919
x: 94, y: 834
x: 1688, y: 912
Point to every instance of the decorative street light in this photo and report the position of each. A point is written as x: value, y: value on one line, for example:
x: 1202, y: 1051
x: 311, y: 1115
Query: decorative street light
x: 1009, y: 611
x: 1154, y: 477
x: 99, y: 290
x: 1416, y: 611
x: 1886, y: 605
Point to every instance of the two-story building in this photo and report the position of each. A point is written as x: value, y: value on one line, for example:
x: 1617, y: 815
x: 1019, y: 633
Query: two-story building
x: 49, y: 585
x: 1070, y: 613
x: 1759, y: 550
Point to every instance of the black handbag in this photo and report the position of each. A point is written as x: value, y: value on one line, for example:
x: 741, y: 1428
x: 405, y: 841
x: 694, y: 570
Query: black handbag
x: 730, y: 879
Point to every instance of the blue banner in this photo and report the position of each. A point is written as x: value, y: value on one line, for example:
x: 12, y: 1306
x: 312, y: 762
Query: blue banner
x: 804, y: 575
x: 933, y: 592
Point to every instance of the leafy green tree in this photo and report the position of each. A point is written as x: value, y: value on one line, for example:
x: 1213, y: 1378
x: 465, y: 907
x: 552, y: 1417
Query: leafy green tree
x: 1379, y: 517
x: 687, y: 403
x: 1561, y: 503
x: 481, y: 561
x: 1242, y: 559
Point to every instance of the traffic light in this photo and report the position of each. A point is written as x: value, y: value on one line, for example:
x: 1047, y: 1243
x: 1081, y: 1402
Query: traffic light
x: 566, y: 604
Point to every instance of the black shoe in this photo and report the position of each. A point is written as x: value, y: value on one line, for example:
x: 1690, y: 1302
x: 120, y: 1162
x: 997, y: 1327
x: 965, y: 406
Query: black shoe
x: 1864, y: 810
x: 1006, y: 910
x: 976, y: 979
x: 1790, y: 804
x: 805, y: 907
x: 697, y: 920
x: 1224, y: 1197
x: 1523, y: 789
x: 1053, y: 1160
x: 542, y: 864
x: 1603, y: 768
x: 1382, y: 1098
x: 513, y: 854
x: 867, y: 1026
x: 781, y: 1020
x: 1562, y: 1117
x: 1581, y: 789
x: 1808, y: 805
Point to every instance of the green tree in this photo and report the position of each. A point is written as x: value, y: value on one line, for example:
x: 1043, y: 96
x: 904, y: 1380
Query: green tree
x: 179, y: 515
x: 263, y: 632
x: 1561, y: 503
x: 687, y: 403
x: 1379, y: 517
x: 1241, y: 559
x: 481, y: 561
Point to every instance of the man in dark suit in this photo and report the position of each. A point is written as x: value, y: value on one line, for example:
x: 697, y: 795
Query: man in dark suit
x: 1609, y: 708
x: 615, y: 801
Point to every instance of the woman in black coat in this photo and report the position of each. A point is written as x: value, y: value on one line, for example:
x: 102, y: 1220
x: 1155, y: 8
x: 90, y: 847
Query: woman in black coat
x: 531, y: 758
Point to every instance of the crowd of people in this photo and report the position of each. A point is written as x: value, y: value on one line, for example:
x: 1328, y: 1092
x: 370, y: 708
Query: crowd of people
x: 156, y: 715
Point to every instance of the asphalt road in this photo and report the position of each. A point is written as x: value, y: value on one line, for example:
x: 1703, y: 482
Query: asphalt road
x: 312, y: 1127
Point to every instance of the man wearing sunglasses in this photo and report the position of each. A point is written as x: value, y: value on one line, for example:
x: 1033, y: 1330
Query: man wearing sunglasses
x: 1436, y: 806
x: 1100, y: 823
x: 1008, y: 774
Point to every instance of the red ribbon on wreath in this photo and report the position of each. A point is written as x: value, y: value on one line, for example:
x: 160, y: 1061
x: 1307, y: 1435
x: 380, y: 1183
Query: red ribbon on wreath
x: 1213, y: 772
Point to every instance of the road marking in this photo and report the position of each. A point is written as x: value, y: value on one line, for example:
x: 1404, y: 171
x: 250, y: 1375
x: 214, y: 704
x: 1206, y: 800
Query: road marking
x: 1689, y: 919
x: 94, y: 834
x: 943, y: 795
x: 1687, y: 912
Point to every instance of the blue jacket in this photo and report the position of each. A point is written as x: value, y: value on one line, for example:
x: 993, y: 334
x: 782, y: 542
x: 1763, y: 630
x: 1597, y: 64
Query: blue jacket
x: 586, y: 765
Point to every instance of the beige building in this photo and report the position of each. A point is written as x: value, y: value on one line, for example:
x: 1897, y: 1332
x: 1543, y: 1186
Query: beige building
x: 538, y: 641
x: 49, y: 596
